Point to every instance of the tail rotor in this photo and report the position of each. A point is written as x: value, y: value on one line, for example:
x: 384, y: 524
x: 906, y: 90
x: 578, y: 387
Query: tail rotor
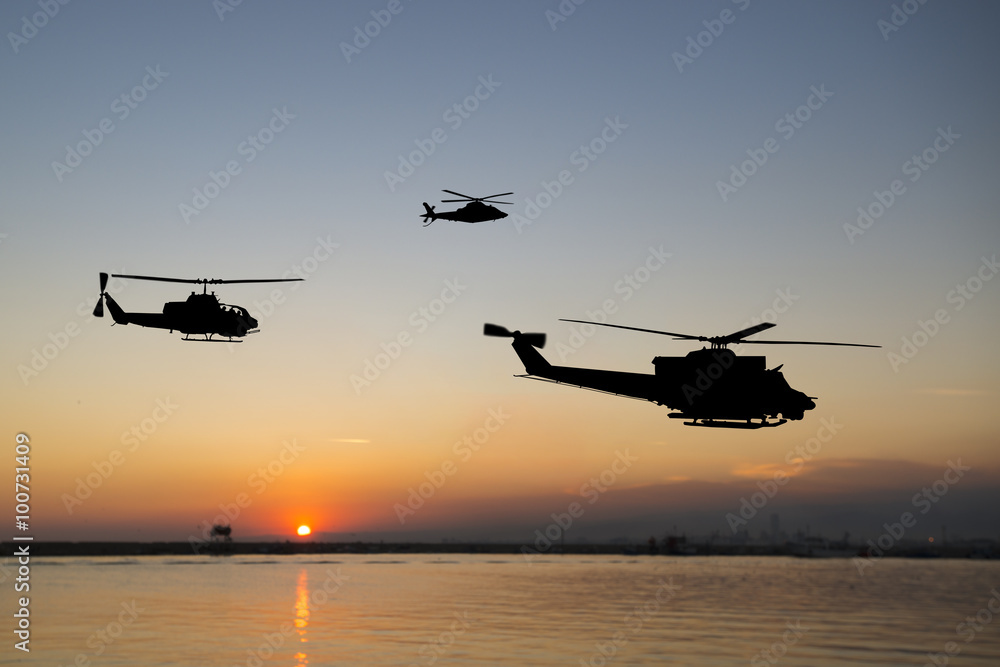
x: 99, y: 308
x: 533, y: 339
x: 428, y: 216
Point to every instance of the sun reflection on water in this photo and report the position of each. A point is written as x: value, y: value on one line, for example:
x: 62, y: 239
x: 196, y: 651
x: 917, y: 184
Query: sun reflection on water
x: 302, y: 616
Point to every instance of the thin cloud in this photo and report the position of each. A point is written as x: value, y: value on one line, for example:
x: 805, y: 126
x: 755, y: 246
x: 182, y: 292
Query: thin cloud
x: 949, y: 391
x: 767, y: 470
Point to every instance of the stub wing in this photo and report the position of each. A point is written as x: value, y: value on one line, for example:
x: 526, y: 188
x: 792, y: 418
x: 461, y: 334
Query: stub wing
x: 153, y: 320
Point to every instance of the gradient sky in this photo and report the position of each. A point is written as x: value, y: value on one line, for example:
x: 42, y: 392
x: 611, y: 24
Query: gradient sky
x: 349, y: 117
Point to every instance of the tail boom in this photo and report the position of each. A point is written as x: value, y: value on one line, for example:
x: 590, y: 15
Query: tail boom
x: 635, y: 385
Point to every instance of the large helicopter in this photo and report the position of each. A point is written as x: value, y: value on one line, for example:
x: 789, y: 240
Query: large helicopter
x: 711, y: 387
x: 201, y: 314
x: 476, y: 210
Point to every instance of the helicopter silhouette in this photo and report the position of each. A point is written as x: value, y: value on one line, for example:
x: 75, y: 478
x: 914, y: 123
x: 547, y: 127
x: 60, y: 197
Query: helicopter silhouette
x: 711, y: 387
x: 201, y: 314
x: 477, y: 210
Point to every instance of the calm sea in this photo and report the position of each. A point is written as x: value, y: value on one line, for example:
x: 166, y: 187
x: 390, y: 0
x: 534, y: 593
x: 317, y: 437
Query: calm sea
x: 488, y: 610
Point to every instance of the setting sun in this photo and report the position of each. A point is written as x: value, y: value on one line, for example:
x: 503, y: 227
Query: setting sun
x: 304, y: 530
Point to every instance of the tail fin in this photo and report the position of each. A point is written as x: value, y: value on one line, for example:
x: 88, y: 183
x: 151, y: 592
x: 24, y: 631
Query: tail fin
x: 525, y: 345
x: 429, y: 216
x: 117, y: 314
x: 534, y: 362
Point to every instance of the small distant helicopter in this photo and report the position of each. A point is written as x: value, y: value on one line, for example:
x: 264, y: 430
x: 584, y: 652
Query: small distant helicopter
x: 201, y: 314
x: 711, y: 387
x: 475, y: 211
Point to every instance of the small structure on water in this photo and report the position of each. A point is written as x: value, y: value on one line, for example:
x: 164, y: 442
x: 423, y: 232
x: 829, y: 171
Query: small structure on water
x: 220, y: 540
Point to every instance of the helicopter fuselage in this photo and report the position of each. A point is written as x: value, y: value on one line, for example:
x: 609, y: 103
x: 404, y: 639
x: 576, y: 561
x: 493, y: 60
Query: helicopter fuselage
x: 201, y: 314
x: 712, y: 387
x: 471, y: 212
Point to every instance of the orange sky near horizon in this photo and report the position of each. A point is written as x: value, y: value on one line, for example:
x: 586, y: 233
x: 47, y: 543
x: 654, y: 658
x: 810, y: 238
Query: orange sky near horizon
x: 193, y: 423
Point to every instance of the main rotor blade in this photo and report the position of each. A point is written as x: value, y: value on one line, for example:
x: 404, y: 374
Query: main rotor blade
x: 216, y: 281
x: 731, y: 338
x: 204, y: 281
x: 618, y: 326
x: 749, y: 331
x: 802, y: 342
x: 163, y: 280
x: 468, y: 198
x: 485, y: 200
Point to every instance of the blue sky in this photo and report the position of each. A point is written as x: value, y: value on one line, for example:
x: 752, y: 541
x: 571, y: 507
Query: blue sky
x: 554, y: 87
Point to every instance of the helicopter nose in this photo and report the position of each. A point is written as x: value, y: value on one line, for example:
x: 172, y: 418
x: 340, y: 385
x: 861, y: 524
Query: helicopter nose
x: 253, y: 323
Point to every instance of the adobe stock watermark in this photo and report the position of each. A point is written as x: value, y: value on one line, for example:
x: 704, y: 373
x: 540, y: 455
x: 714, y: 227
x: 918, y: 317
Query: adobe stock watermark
x: 924, y: 501
x: 249, y: 149
x: 31, y: 25
x: 590, y: 491
x: 223, y: 7
x: 307, y: 266
x: 381, y: 18
x: 796, y: 458
x: 777, y: 650
x: 131, y: 440
x: 714, y: 28
x: 634, y: 621
x: 786, y: 126
x: 439, y: 645
x: 629, y: 284
x: 464, y: 449
x: 967, y: 631
x: 43, y: 356
x: 915, y: 167
x: 898, y: 17
x: 706, y: 377
x: 454, y: 116
x: 272, y: 641
x: 102, y: 639
x: 581, y: 158
x: 122, y: 106
x: 563, y: 11
x: 927, y: 329
x: 258, y: 482
x: 419, y: 321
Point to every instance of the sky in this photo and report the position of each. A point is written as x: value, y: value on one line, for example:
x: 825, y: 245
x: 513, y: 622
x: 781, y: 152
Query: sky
x: 827, y: 166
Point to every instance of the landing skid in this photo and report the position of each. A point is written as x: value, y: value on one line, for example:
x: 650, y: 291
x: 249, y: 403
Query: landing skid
x: 209, y: 339
x: 727, y: 423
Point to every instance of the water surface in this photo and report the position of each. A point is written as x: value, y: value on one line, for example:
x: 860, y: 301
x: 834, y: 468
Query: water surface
x: 427, y: 609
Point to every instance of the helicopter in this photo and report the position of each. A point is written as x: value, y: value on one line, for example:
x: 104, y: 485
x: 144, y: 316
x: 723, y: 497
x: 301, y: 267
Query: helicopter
x: 200, y: 314
x: 711, y: 387
x: 476, y: 210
